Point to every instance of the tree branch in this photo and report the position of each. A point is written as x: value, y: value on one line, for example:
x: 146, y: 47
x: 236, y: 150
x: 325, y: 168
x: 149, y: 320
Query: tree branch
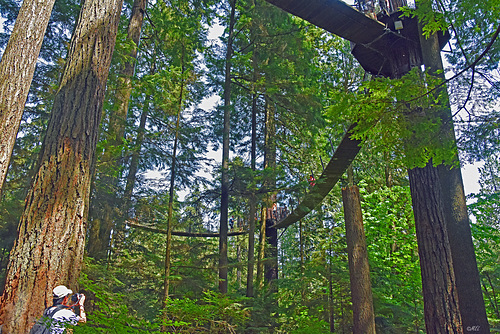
x: 473, y: 65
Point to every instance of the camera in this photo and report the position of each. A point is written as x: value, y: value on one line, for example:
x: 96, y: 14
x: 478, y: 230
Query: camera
x: 76, y: 297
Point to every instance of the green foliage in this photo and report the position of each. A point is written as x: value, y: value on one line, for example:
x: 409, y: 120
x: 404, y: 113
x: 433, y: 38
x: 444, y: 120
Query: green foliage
x: 312, y: 83
x: 392, y: 251
x: 214, y: 313
x: 399, y: 117
x: 314, y: 280
x: 485, y: 208
x: 432, y: 20
x: 303, y: 323
x: 482, y: 140
x: 472, y: 25
x: 110, y: 313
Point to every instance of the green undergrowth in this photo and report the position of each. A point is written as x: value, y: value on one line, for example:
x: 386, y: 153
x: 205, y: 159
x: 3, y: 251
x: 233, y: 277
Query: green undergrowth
x: 111, y: 311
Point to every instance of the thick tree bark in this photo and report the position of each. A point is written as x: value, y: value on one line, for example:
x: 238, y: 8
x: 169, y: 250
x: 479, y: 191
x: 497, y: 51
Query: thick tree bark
x: 359, y: 270
x: 105, y: 205
x: 438, y: 280
x: 16, y: 72
x: 224, y: 205
x: 470, y: 296
x: 49, y: 248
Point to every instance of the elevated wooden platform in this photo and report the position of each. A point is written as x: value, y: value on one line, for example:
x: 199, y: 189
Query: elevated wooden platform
x: 341, y: 159
x: 380, y: 48
x: 336, y: 17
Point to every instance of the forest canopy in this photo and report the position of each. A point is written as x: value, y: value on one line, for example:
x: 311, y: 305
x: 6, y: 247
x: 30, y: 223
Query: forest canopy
x: 148, y: 148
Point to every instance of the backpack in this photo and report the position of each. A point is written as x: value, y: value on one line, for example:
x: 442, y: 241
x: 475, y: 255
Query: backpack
x: 42, y: 325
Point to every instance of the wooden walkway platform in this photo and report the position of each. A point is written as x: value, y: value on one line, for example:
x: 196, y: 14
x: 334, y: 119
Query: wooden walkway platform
x: 336, y: 17
x: 380, y: 48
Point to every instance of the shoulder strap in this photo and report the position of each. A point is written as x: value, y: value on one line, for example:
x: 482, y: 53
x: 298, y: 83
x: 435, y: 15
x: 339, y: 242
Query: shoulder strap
x: 57, y: 308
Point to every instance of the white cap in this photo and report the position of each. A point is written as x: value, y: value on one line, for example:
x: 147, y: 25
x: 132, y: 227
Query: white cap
x: 61, y: 291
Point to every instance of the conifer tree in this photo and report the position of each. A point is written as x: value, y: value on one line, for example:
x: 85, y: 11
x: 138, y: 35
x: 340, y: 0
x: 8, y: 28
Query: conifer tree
x: 16, y: 72
x: 49, y: 248
x: 224, y: 206
x: 105, y: 213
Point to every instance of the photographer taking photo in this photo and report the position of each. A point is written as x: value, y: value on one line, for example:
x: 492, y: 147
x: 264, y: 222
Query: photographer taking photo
x: 61, y: 313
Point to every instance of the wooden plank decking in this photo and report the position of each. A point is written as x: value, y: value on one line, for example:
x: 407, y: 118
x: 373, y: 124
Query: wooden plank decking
x: 336, y: 17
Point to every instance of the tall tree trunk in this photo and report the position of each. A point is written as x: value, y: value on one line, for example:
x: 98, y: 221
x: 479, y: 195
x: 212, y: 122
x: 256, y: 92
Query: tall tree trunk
x: 331, y: 311
x: 271, y: 250
x: 303, y: 289
x: 253, y: 159
x: 168, y: 245
x: 135, y: 157
x: 238, y: 260
x: 438, y: 280
x: 124, y: 88
x: 262, y: 249
x: 16, y: 72
x: 106, y: 204
x: 342, y: 322
x: 271, y: 263
x: 301, y: 248
x: 134, y: 160
x: 224, y: 205
x: 470, y: 296
x: 359, y: 270
x: 387, y: 171
x: 50, y: 245
x: 251, y: 247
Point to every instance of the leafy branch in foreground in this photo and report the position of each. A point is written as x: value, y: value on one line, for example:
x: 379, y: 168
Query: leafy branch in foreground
x: 389, y: 116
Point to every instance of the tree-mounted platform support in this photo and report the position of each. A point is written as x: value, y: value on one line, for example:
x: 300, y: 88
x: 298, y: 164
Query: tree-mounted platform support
x: 388, y: 46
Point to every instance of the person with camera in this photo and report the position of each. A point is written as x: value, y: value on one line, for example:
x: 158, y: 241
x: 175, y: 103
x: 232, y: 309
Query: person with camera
x: 62, y: 313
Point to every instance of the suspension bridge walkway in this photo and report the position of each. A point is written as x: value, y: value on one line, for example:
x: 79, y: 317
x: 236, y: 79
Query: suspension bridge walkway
x: 341, y: 159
